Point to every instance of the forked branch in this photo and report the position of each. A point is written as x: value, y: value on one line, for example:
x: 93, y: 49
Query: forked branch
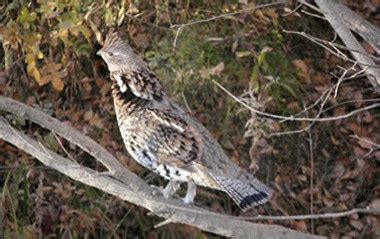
x: 124, y: 184
x: 129, y: 187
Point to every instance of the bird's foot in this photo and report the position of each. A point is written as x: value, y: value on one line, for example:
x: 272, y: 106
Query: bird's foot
x: 190, y: 194
x: 171, y: 188
x: 187, y: 200
x: 168, y: 191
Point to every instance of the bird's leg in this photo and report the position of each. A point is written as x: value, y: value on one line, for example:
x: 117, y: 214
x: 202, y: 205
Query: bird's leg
x: 171, y: 188
x: 191, y: 192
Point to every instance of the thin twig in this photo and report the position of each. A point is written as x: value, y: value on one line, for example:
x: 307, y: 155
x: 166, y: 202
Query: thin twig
x: 178, y: 31
x: 375, y: 147
x: 335, y: 51
x: 304, y: 2
x: 163, y: 223
x: 292, y: 118
x: 186, y: 103
x: 349, y: 102
x: 63, y: 147
x: 311, y: 152
x: 375, y: 211
x: 365, y: 140
x: 229, y: 14
x: 313, y: 15
x: 342, y: 77
x: 328, y: 93
x: 180, y: 27
x: 292, y: 11
x: 312, y: 105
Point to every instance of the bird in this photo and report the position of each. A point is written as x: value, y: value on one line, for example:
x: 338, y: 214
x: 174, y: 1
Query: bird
x: 165, y: 138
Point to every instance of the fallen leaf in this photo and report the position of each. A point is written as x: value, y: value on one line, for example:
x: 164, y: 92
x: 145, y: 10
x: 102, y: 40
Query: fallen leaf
x: 300, y: 226
x: 365, y: 143
x: 241, y: 54
x: 53, y: 73
x: 303, y: 69
x: 375, y: 204
x: 357, y: 224
x: 214, y: 71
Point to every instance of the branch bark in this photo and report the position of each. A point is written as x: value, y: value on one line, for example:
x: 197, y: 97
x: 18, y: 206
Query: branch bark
x: 342, y: 19
x: 356, y: 23
x: 124, y: 184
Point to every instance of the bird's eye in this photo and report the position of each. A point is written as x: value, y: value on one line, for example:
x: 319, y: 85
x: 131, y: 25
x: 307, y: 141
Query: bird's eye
x: 110, y: 53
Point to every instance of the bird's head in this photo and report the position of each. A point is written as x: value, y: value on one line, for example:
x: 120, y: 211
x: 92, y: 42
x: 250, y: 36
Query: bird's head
x: 119, y: 55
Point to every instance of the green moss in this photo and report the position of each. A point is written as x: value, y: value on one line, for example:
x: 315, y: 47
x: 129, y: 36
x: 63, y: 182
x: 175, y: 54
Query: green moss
x: 273, y: 71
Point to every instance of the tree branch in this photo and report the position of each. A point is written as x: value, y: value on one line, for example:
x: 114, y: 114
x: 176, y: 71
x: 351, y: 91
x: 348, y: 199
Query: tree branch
x: 334, y: 13
x: 126, y: 185
x: 358, y: 24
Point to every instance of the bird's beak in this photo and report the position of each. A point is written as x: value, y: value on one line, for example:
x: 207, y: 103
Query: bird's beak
x: 99, y: 53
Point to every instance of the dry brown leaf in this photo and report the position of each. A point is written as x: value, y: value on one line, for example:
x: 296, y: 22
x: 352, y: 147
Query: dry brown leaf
x: 365, y: 143
x: 216, y: 70
x: 58, y: 84
x: 375, y: 203
x: 88, y: 115
x: 357, y: 224
x: 334, y: 141
x: 52, y: 72
x: 303, y: 68
x: 300, y: 226
x: 206, y: 73
x: 142, y: 39
x: 339, y: 170
x: 328, y: 201
x: 358, y: 152
x: 96, y: 121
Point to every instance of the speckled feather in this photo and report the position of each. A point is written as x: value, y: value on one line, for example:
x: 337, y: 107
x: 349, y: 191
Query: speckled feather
x: 163, y: 137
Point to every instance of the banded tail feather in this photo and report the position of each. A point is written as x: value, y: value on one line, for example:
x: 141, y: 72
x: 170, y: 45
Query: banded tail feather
x: 246, y: 193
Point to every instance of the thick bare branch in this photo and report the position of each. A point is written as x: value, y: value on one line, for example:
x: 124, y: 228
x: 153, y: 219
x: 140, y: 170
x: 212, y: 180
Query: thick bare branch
x: 333, y: 13
x: 132, y: 188
x: 358, y: 24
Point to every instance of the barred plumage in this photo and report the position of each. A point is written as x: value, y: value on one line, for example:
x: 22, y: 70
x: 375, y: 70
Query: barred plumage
x: 164, y: 138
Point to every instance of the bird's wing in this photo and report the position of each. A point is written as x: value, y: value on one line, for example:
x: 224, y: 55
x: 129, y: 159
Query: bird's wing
x: 143, y: 84
x: 178, y: 143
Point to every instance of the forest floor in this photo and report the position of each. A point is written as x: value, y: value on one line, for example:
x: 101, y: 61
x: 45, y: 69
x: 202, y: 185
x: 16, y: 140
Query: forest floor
x: 49, y: 62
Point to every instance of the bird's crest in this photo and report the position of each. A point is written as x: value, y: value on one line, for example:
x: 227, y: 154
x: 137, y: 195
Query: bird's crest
x: 113, y: 39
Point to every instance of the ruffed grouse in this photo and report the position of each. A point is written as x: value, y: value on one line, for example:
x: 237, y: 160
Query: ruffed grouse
x: 167, y: 140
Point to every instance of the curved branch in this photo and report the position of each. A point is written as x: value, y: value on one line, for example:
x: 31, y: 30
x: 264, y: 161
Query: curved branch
x: 126, y: 185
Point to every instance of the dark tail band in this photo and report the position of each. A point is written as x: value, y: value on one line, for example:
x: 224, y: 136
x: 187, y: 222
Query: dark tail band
x: 245, y: 193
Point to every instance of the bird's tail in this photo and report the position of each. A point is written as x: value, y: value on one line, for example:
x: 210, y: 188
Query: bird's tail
x: 246, y: 191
